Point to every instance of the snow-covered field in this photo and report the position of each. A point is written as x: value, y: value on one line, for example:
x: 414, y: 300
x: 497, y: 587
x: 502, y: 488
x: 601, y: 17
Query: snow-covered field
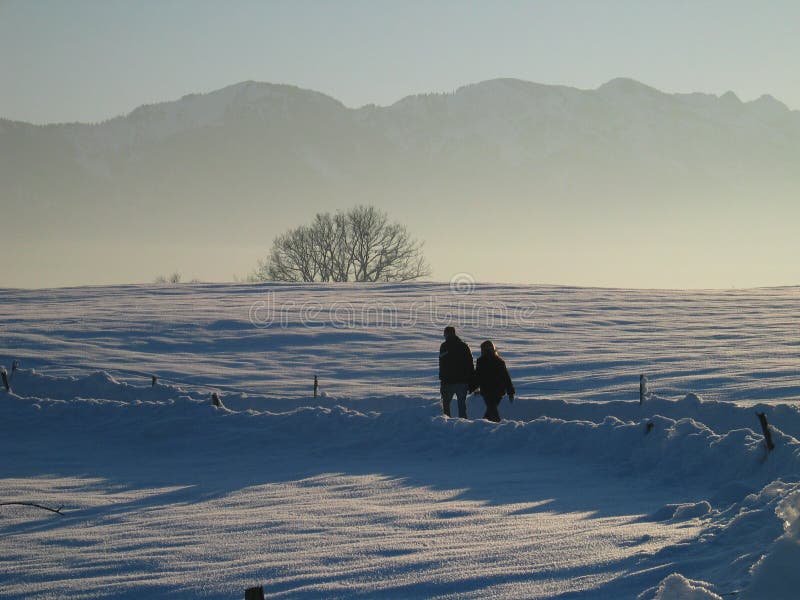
x: 367, y: 490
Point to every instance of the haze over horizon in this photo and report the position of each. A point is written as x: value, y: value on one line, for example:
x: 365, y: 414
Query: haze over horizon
x: 569, y: 180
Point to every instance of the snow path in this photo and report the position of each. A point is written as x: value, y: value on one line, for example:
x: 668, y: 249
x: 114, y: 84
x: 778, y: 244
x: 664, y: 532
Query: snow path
x: 453, y: 526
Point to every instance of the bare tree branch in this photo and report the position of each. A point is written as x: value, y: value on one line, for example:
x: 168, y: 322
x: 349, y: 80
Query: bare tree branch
x: 55, y: 510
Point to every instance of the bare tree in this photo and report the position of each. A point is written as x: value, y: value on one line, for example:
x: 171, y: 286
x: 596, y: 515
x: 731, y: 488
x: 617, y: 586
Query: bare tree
x: 358, y: 245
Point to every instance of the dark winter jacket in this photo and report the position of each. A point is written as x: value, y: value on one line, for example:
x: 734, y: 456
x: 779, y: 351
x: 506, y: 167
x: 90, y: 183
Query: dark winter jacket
x: 455, y: 361
x: 491, y: 375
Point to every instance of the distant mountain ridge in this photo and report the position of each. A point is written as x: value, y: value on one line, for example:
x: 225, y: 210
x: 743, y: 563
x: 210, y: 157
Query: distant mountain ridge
x: 487, y: 110
x: 252, y: 158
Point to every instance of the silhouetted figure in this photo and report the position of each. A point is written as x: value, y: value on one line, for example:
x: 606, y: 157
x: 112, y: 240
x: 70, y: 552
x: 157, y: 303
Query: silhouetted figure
x: 491, y: 376
x: 456, y: 371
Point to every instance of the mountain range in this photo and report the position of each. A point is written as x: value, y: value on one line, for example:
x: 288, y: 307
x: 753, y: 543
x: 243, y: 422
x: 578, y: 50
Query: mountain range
x: 247, y: 161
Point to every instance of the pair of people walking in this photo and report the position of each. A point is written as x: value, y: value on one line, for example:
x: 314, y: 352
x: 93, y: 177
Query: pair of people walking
x: 488, y: 376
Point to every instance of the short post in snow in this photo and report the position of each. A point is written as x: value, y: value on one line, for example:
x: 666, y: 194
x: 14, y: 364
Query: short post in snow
x: 316, y: 386
x: 154, y: 379
x: 4, y: 375
x: 642, y: 388
x: 767, y: 433
x: 14, y: 367
x: 254, y: 593
x: 215, y: 400
x: 649, y: 427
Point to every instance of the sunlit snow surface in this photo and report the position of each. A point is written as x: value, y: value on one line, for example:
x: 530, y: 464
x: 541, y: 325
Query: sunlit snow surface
x: 367, y: 490
x: 571, y: 343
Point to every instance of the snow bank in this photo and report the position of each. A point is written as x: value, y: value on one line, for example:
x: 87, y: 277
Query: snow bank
x: 720, y: 417
x: 749, y: 548
x: 676, y: 587
x: 775, y: 575
x: 672, y: 451
x: 100, y: 384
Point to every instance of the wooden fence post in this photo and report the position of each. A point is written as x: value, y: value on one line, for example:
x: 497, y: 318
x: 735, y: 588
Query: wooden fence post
x: 767, y: 433
x: 254, y: 593
x: 316, y: 386
x: 154, y: 380
x: 642, y: 388
x: 5, y: 379
x: 215, y: 400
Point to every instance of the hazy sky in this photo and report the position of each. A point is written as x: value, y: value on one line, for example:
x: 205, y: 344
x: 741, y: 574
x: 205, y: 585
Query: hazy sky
x: 90, y: 60
x: 78, y: 60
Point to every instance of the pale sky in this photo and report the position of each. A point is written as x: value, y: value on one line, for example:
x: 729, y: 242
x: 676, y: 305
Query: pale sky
x: 80, y: 60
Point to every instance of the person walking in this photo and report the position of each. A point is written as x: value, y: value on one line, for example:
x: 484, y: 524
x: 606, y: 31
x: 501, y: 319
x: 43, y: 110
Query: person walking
x: 456, y: 371
x: 491, y: 376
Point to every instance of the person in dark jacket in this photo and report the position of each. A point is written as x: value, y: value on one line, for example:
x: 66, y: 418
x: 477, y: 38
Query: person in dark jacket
x: 491, y: 376
x: 456, y: 371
